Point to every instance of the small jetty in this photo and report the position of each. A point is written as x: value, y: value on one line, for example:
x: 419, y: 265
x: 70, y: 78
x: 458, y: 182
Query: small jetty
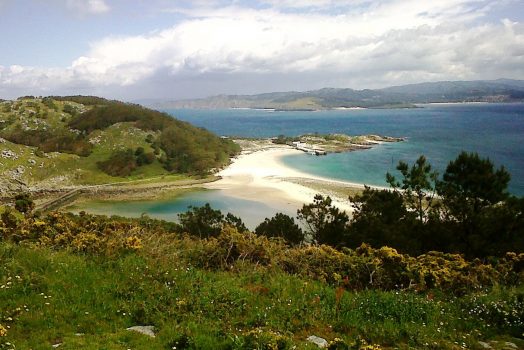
x: 304, y: 147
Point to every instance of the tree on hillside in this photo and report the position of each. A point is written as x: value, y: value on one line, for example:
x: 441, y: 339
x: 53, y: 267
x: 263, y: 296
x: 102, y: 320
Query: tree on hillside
x: 473, y: 213
x: 326, y: 223
x: 236, y: 222
x: 24, y: 203
x: 380, y: 217
x: 470, y: 184
x: 418, y: 185
x: 471, y: 189
x: 208, y: 222
x: 202, y: 221
x: 120, y: 163
x: 283, y: 226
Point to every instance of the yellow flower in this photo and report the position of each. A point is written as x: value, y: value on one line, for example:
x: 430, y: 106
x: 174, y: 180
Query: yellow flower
x: 40, y: 223
x: 133, y: 243
x: 3, y: 331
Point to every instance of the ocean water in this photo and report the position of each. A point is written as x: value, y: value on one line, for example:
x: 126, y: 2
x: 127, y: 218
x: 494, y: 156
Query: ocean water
x: 440, y: 132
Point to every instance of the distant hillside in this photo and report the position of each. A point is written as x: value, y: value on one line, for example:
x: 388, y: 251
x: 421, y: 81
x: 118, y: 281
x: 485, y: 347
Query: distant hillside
x: 59, y: 141
x: 406, y: 96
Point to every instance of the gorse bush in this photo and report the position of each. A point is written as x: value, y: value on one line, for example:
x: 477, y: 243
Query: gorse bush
x: 229, y: 248
x: 82, y: 234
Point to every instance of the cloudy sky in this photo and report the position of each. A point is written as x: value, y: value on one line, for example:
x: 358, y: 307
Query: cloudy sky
x: 134, y: 49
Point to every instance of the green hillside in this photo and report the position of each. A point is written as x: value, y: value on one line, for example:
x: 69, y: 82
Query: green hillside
x: 59, y: 141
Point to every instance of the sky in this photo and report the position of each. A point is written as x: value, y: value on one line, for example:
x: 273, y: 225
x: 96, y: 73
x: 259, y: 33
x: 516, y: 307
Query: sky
x: 148, y: 49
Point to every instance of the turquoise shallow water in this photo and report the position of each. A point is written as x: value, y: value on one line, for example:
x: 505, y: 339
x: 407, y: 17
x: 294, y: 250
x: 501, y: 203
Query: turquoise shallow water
x: 252, y: 213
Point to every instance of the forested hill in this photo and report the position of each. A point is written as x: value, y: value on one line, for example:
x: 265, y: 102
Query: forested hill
x: 54, y: 141
x: 501, y: 90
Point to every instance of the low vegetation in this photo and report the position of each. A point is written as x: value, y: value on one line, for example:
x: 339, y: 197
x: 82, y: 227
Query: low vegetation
x: 79, y: 281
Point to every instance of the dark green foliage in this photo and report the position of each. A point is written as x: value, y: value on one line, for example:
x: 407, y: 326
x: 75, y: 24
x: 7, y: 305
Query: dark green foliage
x: 9, y: 220
x: 382, y: 218
x: 24, y: 203
x: 187, y: 149
x: 121, y: 163
x: 49, y: 103
x: 143, y: 158
x: 85, y: 100
x: 471, y: 184
x: 202, y: 221
x: 180, y: 146
x: 70, y: 109
x: 418, y: 185
x: 471, y: 189
x: 473, y: 214
x: 48, y: 141
x: 282, y: 226
x: 103, y: 116
x: 193, y: 150
x: 326, y: 223
x: 236, y: 222
x: 208, y: 222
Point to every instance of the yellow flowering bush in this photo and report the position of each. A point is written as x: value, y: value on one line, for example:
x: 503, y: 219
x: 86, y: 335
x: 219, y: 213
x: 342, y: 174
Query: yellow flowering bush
x: 232, y: 246
x: 85, y: 234
x: 259, y: 338
x: 133, y: 243
x: 352, y: 269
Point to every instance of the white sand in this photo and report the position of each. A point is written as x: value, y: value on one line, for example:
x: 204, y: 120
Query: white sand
x: 261, y: 176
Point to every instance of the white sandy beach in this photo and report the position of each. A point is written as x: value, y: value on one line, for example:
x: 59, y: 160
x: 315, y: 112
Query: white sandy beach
x: 262, y: 176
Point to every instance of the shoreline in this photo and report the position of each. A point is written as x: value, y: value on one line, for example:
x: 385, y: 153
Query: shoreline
x: 261, y: 176
x: 258, y: 174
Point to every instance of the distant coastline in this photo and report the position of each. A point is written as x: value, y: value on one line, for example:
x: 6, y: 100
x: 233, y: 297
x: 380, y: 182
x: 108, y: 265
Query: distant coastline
x: 395, y: 97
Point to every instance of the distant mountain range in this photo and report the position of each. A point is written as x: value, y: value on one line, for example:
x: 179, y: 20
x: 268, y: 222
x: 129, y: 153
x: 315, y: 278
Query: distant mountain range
x: 405, y: 96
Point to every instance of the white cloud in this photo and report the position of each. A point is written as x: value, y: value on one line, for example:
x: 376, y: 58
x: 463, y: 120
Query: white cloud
x: 88, y: 6
x: 392, y: 42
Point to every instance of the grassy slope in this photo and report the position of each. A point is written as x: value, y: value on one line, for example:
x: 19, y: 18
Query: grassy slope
x: 86, y: 302
x: 62, y: 168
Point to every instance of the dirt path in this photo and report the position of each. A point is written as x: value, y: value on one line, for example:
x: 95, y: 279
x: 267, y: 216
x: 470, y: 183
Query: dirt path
x: 128, y: 189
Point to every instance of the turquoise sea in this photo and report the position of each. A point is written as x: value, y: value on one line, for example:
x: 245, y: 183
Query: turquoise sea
x: 439, y: 132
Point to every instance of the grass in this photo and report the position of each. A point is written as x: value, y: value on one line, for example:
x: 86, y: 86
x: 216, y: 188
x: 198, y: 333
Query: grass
x: 86, y: 302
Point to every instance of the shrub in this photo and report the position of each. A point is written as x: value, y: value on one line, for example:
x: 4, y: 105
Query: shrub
x: 120, y: 163
x: 282, y: 226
